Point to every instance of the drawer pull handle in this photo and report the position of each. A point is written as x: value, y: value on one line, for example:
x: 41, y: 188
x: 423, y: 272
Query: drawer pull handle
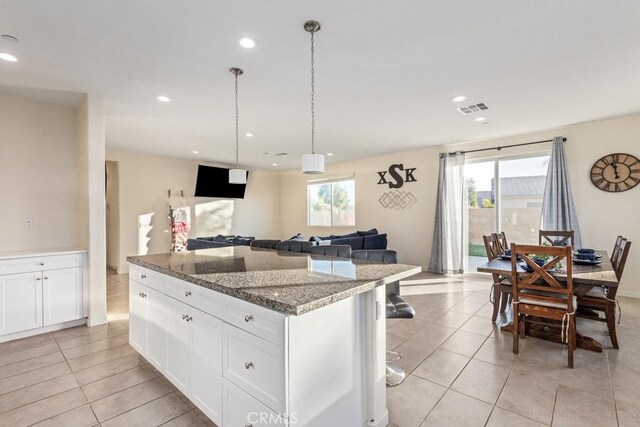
x: 187, y: 317
x: 248, y: 425
x: 143, y: 276
x: 248, y: 318
x: 38, y: 278
x: 42, y: 263
x: 184, y: 316
x: 46, y: 278
x: 248, y: 365
x: 143, y: 295
x: 187, y: 294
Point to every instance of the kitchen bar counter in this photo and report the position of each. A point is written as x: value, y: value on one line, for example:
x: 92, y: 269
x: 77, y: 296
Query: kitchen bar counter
x: 287, y: 282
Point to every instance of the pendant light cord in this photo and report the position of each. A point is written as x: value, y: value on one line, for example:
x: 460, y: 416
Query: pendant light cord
x: 236, y: 121
x: 313, y: 94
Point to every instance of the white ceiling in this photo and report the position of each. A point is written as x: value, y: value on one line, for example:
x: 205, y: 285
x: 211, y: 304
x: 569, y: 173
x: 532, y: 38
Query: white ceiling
x: 386, y: 70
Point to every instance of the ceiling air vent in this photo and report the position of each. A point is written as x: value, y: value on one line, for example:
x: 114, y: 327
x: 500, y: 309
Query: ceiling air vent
x: 473, y: 108
x: 281, y: 154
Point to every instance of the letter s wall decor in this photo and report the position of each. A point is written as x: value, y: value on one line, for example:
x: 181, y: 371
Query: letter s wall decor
x: 395, y: 178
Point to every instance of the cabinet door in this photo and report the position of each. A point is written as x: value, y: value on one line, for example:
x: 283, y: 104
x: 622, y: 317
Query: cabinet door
x: 178, y: 320
x: 206, y: 365
x: 156, y: 328
x: 62, y: 295
x: 137, y: 317
x: 20, y: 302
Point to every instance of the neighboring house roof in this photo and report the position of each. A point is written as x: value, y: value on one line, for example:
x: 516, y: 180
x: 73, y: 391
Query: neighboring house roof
x: 484, y: 195
x: 522, y: 186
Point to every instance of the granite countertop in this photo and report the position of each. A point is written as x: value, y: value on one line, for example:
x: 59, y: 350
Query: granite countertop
x: 287, y: 282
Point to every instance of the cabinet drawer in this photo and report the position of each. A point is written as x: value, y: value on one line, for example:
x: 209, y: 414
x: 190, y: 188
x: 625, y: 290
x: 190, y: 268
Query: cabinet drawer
x: 53, y: 262
x: 256, y: 366
x: 147, y: 277
x: 241, y: 410
x: 203, y: 299
x: 264, y: 323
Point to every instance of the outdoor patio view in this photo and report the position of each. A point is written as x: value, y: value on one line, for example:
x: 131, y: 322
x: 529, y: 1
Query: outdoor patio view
x: 514, y: 206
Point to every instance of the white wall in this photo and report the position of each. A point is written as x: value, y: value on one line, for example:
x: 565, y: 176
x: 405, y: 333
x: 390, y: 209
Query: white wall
x: 144, y: 180
x: 38, y: 171
x: 112, y: 215
x: 409, y: 231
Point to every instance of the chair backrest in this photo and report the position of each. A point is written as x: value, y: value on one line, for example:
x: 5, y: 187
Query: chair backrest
x: 556, y: 237
x: 294, y: 246
x: 624, y: 246
x: 267, y: 244
x: 491, y: 245
x: 385, y: 256
x: 340, y: 251
x: 540, y: 279
x: 501, y: 242
x: 616, y: 250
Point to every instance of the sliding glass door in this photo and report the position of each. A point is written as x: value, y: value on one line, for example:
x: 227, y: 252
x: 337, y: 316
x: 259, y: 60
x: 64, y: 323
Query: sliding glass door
x: 504, y: 194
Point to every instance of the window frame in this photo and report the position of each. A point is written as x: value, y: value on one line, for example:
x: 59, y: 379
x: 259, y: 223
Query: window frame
x: 342, y: 178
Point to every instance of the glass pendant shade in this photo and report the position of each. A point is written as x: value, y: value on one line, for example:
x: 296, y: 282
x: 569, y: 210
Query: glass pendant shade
x: 313, y: 163
x: 237, y: 176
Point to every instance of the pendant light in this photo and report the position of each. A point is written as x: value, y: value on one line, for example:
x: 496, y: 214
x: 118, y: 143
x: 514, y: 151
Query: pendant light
x: 237, y: 175
x: 312, y: 163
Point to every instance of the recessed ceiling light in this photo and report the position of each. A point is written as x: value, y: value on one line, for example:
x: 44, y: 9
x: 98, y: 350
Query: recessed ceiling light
x: 248, y: 135
x: 329, y: 154
x: 195, y: 152
x: 247, y: 42
x: 274, y: 164
x: 163, y: 98
x: 480, y: 119
x: 8, y: 57
x: 9, y: 38
x: 458, y: 98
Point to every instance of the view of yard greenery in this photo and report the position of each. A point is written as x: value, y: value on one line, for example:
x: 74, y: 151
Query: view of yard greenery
x: 477, y: 250
x: 332, y: 203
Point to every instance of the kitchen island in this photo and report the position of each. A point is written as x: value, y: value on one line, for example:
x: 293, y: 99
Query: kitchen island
x: 256, y: 337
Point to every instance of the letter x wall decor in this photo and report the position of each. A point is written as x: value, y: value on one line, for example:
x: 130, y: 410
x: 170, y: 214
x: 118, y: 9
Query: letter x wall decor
x: 395, y: 177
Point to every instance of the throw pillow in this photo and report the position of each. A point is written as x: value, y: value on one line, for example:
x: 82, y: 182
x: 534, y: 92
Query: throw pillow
x: 371, y: 232
x: 220, y: 238
x: 298, y: 237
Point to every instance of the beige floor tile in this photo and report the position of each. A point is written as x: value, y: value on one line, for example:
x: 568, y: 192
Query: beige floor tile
x: 467, y: 307
x: 79, y: 331
x: 413, y: 353
x: 43, y: 409
x: 628, y: 415
x: 529, y: 394
x: 426, y: 312
x: 119, y: 403
x: 498, y: 352
x: 114, y: 331
x: 31, y: 364
x: 100, y: 357
x: 79, y: 417
x: 36, y: 392
x: 193, y: 418
x: 394, y: 340
x: 19, y: 356
x: 465, y: 343
x: 434, y: 335
x: 501, y: 418
x: 410, y: 402
x: 482, y: 381
x: 442, y: 367
x: 455, y: 409
x: 479, y: 325
x: 153, y: 413
x: 479, y: 297
x: 590, y: 372
x: 408, y: 327
x: 486, y: 311
x: 94, y: 347
x: 626, y: 387
x: 118, y: 382
x: 36, y: 376
x: 110, y: 368
x: 452, y: 319
x: 577, y: 407
x: 26, y: 343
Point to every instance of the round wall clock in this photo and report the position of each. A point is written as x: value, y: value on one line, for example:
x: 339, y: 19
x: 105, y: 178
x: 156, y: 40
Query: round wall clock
x: 616, y: 172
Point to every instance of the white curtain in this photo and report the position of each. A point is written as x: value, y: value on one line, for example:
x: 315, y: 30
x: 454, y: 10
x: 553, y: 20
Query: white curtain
x: 558, y: 209
x: 447, y: 254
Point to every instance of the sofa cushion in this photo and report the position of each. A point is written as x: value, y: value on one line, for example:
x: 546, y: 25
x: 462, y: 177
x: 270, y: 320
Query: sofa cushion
x: 298, y: 237
x: 371, y: 232
x: 356, y: 243
x: 221, y: 239
x: 242, y: 240
x: 208, y: 239
x: 344, y: 236
x: 376, y: 241
x: 316, y: 239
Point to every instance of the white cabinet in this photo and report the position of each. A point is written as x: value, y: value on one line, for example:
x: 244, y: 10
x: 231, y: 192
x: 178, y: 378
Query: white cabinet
x: 137, y: 318
x: 40, y: 292
x: 61, y: 295
x: 20, y: 302
x: 147, y: 323
x: 179, y: 335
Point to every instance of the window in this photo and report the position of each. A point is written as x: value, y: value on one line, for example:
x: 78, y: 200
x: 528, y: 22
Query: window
x: 331, y: 202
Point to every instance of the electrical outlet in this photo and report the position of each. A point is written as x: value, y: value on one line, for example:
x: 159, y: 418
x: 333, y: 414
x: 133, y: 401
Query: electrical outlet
x: 28, y: 223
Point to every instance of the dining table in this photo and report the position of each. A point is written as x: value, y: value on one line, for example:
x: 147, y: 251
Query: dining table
x: 585, y: 277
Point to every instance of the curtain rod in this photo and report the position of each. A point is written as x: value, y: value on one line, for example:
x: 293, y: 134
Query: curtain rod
x: 504, y: 146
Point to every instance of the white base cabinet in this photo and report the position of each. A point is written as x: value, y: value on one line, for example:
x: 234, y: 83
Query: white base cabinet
x: 40, y: 292
x: 244, y: 365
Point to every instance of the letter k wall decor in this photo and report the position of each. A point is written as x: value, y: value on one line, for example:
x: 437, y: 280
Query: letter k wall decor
x: 395, y: 178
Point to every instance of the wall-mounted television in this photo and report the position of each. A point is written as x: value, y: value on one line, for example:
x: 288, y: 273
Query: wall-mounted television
x: 214, y: 182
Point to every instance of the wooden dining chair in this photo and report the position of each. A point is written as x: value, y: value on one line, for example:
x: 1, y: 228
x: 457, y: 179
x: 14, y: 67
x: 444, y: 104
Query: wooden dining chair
x: 538, y: 295
x: 603, y: 300
x: 501, y: 241
x: 556, y: 237
x: 616, y: 250
x: 501, y: 288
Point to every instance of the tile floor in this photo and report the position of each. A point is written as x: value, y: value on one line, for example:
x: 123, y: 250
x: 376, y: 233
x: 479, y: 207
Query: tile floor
x: 461, y: 371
